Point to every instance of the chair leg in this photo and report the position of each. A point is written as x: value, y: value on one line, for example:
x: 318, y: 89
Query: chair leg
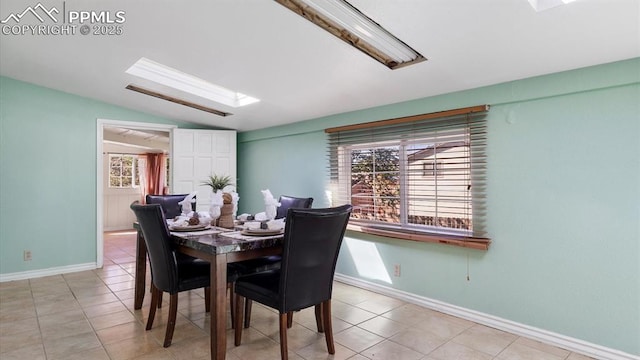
x: 328, y: 328
x: 284, y: 319
x: 237, y: 325
x: 207, y: 299
x: 247, y: 312
x: 171, y: 322
x: 319, y: 319
x: 151, y: 288
x: 289, y: 319
x: 152, y: 308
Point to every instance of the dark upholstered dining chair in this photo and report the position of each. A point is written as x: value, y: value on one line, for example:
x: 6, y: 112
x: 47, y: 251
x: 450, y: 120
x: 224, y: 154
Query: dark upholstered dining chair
x: 169, y: 204
x: 273, y: 262
x: 170, y: 208
x: 311, y: 244
x: 185, y: 263
x: 171, y: 272
x: 290, y: 202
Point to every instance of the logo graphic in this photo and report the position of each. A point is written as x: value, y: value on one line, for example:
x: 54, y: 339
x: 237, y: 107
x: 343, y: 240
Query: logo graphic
x: 34, y: 11
x: 39, y: 20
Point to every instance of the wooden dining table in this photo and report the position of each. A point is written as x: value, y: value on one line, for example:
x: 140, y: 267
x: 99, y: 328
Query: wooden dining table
x: 219, y: 247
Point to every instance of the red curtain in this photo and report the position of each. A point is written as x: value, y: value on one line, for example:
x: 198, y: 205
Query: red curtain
x: 154, y: 174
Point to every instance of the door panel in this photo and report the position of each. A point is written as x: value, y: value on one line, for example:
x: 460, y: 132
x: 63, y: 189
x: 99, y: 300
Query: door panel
x: 198, y: 154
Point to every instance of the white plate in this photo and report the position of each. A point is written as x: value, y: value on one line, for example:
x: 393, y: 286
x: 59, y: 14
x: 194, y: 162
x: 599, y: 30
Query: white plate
x: 261, y: 232
x: 198, y: 227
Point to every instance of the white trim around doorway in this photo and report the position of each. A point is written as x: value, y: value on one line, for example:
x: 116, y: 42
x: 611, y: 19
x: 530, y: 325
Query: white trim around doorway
x: 101, y: 124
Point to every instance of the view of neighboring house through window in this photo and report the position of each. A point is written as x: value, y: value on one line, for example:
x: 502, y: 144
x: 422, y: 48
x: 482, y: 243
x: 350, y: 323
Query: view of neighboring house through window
x: 417, y: 183
x: 424, y: 176
x: 123, y: 171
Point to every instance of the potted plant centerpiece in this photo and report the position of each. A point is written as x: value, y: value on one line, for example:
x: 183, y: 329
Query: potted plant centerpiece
x: 219, y: 182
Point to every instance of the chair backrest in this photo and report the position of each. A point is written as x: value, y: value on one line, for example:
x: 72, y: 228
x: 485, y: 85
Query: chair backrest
x: 311, y: 244
x: 169, y: 204
x: 290, y: 202
x: 164, y: 268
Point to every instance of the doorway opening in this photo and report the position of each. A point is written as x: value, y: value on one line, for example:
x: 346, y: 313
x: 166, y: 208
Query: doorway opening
x: 119, y: 143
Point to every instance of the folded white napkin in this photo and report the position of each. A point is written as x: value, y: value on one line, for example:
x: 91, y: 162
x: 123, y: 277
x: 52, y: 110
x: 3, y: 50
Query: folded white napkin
x: 205, y: 218
x: 243, y: 217
x: 270, y: 204
x: 216, y: 203
x: 186, y: 203
x: 182, y: 220
x: 275, y: 224
x: 261, y: 216
x: 178, y: 221
x: 252, y: 225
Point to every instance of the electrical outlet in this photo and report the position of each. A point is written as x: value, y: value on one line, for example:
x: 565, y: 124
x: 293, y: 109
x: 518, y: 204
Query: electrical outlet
x: 27, y: 255
x: 396, y: 270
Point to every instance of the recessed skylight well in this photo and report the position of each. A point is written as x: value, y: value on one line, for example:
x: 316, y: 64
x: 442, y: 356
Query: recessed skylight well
x: 177, y: 100
x: 164, y: 75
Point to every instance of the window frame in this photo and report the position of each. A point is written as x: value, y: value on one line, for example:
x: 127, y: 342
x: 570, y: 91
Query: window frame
x: 402, y: 229
x: 135, y: 180
x: 404, y: 176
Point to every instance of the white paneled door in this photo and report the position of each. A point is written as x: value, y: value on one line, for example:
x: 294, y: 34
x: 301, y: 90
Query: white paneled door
x: 196, y: 155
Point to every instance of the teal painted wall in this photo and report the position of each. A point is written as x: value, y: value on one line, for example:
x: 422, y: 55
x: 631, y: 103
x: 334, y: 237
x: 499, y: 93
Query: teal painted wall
x: 564, y: 204
x: 48, y: 175
x: 285, y: 165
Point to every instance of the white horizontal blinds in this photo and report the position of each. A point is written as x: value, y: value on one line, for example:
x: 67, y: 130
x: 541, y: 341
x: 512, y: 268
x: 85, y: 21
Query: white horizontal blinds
x: 418, y: 175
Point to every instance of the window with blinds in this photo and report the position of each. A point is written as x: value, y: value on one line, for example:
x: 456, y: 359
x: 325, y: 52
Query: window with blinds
x: 421, y: 177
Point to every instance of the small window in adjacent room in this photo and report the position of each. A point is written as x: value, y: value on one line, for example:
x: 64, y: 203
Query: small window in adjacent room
x: 419, y: 178
x: 123, y: 171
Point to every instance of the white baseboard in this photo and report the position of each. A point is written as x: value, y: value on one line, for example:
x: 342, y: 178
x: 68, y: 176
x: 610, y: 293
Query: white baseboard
x: 31, y: 274
x: 547, y: 337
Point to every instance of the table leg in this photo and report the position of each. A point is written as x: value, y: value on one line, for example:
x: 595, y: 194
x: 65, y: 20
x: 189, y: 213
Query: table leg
x: 218, y: 307
x: 141, y: 271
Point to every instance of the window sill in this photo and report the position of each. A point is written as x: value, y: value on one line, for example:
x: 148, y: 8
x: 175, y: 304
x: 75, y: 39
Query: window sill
x: 461, y: 241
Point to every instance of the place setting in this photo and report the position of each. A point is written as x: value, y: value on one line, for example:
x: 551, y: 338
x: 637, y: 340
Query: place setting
x: 262, y: 224
x: 219, y: 220
x: 193, y: 224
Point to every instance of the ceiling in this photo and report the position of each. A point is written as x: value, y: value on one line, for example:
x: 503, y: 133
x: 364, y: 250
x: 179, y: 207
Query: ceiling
x: 299, y: 71
x: 144, y: 140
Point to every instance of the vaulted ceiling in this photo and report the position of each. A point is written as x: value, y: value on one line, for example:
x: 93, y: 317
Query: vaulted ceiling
x: 299, y: 71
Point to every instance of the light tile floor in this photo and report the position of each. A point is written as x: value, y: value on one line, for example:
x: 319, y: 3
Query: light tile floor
x: 89, y: 315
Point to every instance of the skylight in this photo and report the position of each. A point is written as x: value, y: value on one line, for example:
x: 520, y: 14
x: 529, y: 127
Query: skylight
x: 541, y: 5
x: 164, y: 75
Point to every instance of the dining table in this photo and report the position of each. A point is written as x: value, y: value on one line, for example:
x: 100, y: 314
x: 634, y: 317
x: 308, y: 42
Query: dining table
x: 218, y: 246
